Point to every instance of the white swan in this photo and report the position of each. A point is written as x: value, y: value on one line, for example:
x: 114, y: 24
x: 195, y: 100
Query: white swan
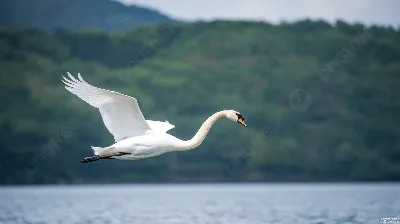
x: 135, y: 137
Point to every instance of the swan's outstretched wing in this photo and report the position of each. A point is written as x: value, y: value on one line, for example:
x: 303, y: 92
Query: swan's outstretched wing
x: 121, y: 114
x: 160, y: 126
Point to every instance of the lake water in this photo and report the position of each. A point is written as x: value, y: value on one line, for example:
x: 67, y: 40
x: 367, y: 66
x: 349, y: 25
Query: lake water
x: 205, y: 203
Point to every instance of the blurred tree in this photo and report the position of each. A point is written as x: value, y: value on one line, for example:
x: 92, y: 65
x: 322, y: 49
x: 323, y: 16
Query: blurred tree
x: 321, y: 101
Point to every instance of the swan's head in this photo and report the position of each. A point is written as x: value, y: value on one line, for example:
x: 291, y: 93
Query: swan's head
x: 235, y: 117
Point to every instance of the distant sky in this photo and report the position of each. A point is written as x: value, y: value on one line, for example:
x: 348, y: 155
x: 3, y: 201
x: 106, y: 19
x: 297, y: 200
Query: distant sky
x: 383, y: 12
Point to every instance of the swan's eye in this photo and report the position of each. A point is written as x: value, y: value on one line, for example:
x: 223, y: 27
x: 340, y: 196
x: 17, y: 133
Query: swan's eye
x: 239, y: 116
x: 241, y: 119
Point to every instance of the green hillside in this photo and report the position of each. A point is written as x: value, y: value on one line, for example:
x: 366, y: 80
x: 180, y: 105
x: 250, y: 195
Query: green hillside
x: 107, y: 15
x: 321, y: 101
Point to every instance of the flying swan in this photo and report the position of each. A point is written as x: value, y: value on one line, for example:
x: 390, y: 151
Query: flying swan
x: 136, y: 138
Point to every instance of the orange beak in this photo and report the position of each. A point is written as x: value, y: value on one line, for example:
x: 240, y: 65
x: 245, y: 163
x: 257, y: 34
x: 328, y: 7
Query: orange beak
x: 241, y: 121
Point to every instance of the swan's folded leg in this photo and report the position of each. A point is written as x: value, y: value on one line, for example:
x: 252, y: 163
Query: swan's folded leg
x: 108, y: 156
x: 90, y: 159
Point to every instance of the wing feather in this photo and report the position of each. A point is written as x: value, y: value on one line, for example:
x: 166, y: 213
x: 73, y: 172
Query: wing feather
x: 120, y: 113
x: 160, y: 126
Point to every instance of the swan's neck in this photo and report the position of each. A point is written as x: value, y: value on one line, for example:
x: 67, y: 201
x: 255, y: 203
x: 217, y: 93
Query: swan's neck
x: 201, y: 133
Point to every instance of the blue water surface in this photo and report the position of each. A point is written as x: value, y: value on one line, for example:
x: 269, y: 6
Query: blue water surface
x: 202, y: 203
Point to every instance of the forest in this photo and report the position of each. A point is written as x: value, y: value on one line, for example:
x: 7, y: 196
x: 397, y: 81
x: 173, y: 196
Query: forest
x: 50, y: 15
x: 321, y: 101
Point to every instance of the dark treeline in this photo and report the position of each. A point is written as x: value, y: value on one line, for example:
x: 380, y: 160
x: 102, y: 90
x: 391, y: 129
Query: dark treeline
x: 321, y: 101
x: 48, y: 15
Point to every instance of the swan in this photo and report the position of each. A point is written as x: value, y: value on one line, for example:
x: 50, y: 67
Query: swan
x: 136, y: 138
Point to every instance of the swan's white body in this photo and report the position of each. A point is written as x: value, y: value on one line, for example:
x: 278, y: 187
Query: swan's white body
x: 134, y: 136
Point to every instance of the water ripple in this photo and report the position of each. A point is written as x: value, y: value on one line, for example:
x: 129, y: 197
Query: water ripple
x: 213, y: 204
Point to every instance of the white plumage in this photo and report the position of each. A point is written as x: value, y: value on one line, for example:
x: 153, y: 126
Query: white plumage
x: 135, y: 137
x: 121, y: 113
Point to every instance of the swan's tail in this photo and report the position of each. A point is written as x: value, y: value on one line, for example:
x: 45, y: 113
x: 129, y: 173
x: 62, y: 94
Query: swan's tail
x: 97, y: 150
